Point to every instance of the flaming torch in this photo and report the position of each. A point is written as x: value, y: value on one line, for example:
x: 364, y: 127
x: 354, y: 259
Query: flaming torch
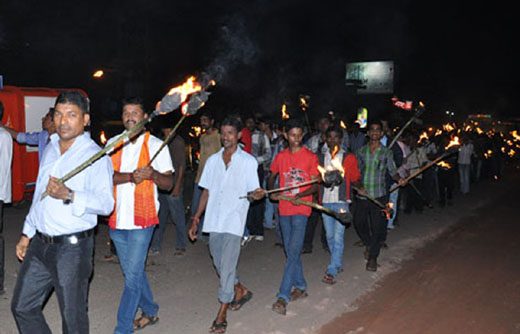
x: 418, y: 111
x: 343, y: 216
x: 285, y: 115
x: 169, y: 103
x: 450, y: 149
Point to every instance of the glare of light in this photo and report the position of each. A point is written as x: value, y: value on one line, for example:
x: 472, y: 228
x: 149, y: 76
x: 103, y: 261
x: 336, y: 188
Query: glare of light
x: 98, y: 74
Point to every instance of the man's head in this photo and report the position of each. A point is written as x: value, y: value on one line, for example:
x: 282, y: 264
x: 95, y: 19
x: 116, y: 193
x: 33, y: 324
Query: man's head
x: 206, y: 120
x: 355, y: 127
x: 250, y: 123
x: 294, y: 133
x: 375, y: 131
x: 230, y: 132
x: 323, y: 124
x: 48, y: 121
x: 71, y: 115
x: 133, y: 112
x: 333, y: 136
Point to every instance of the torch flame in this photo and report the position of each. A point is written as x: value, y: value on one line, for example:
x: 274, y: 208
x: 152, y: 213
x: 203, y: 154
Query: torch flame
x: 196, y: 131
x: 303, y: 103
x: 438, y: 132
x: 103, y: 137
x: 424, y: 136
x: 98, y: 74
x: 285, y: 115
x: 444, y: 164
x: 453, y: 142
x: 515, y: 135
x: 448, y: 127
x: 189, y: 87
x: 336, y: 164
x: 343, y: 125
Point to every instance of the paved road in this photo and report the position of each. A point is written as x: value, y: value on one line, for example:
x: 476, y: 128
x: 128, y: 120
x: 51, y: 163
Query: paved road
x: 186, y: 287
x: 466, y: 281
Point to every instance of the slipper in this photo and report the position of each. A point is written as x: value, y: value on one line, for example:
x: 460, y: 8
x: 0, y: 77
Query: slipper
x: 328, y: 279
x: 148, y: 320
x: 235, y: 305
x: 297, y: 294
x: 280, y: 306
x: 218, y: 327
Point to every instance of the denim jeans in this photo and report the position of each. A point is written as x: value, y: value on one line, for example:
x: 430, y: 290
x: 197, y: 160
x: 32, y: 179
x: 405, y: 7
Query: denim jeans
x: 293, y: 233
x: 132, y: 249
x: 225, y: 250
x: 464, y: 170
x: 64, y: 267
x: 335, y: 232
x: 171, y: 207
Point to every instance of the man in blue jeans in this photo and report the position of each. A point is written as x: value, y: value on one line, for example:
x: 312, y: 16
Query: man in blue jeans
x: 172, y: 202
x: 336, y: 197
x: 135, y: 215
x: 294, y: 165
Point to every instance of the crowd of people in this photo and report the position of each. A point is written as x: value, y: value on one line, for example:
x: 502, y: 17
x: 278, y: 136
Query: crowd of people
x: 253, y: 174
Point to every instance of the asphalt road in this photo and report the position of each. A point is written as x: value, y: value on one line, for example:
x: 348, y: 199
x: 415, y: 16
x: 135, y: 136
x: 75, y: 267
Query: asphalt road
x: 466, y: 281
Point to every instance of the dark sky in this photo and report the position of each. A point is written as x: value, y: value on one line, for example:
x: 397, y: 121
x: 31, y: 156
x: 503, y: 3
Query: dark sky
x: 451, y: 55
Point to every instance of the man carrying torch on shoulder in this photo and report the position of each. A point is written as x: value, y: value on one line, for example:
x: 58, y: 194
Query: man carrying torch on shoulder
x: 227, y: 175
x: 136, y: 213
x: 58, y: 235
x: 374, y: 161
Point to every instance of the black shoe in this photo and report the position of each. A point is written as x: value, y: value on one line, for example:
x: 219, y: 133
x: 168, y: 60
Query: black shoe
x: 371, y: 264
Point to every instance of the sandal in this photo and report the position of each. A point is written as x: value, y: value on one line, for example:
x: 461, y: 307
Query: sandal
x: 235, y: 305
x: 280, y: 306
x: 328, y: 279
x: 144, y: 320
x: 218, y: 327
x: 297, y: 294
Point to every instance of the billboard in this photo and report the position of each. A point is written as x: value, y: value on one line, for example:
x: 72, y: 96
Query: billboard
x: 374, y: 77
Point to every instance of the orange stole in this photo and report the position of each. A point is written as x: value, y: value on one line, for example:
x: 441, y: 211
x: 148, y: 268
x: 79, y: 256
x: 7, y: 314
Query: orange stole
x: 145, y: 214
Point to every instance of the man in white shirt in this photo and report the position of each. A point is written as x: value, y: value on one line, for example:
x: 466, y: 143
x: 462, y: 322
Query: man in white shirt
x: 57, y: 243
x: 136, y: 214
x: 6, y: 154
x: 228, y: 175
x: 464, y: 161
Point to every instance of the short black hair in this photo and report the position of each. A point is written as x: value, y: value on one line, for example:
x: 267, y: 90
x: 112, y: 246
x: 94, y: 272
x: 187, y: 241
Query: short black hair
x: 74, y: 97
x: 233, y: 121
x: 51, y: 112
x: 294, y: 123
x: 376, y: 122
x: 334, y: 128
x: 1, y: 110
x: 207, y: 113
x: 135, y: 100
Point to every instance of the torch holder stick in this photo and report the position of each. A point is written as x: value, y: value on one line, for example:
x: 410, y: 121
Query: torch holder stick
x: 126, y: 134
x: 344, y: 217
x: 423, y: 168
x: 303, y: 184
x: 371, y: 199
x: 167, y: 139
x: 418, y: 113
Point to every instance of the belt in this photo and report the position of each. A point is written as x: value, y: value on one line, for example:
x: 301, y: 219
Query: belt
x: 72, y: 238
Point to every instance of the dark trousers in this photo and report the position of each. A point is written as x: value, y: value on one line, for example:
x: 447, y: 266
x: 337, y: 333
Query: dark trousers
x: 66, y: 268
x: 370, y: 224
x: 415, y: 201
x: 447, y: 179
x: 255, y: 215
x: 2, y: 247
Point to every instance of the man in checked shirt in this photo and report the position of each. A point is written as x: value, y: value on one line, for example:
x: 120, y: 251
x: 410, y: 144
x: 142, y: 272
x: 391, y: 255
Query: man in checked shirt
x: 374, y: 160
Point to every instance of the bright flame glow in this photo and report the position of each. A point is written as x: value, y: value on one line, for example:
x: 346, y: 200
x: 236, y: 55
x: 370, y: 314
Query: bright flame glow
x: 103, y: 137
x: 438, y: 132
x: 515, y: 135
x: 196, y: 131
x: 424, y: 136
x: 453, y: 142
x: 448, y: 127
x: 190, y: 86
x: 444, y: 164
x: 285, y: 115
x: 343, y: 125
x: 98, y: 74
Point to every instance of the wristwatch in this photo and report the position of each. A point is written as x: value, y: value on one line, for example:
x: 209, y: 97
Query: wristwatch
x: 70, y: 198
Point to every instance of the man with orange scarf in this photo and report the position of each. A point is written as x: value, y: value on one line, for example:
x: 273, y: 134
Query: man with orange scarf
x: 135, y: 215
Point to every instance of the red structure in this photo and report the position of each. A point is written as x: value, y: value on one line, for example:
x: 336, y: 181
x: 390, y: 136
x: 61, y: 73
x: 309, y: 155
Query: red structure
x: 24, y: 108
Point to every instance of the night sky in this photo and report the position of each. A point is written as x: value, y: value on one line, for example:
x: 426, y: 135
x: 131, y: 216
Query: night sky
x: 451, y: 55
